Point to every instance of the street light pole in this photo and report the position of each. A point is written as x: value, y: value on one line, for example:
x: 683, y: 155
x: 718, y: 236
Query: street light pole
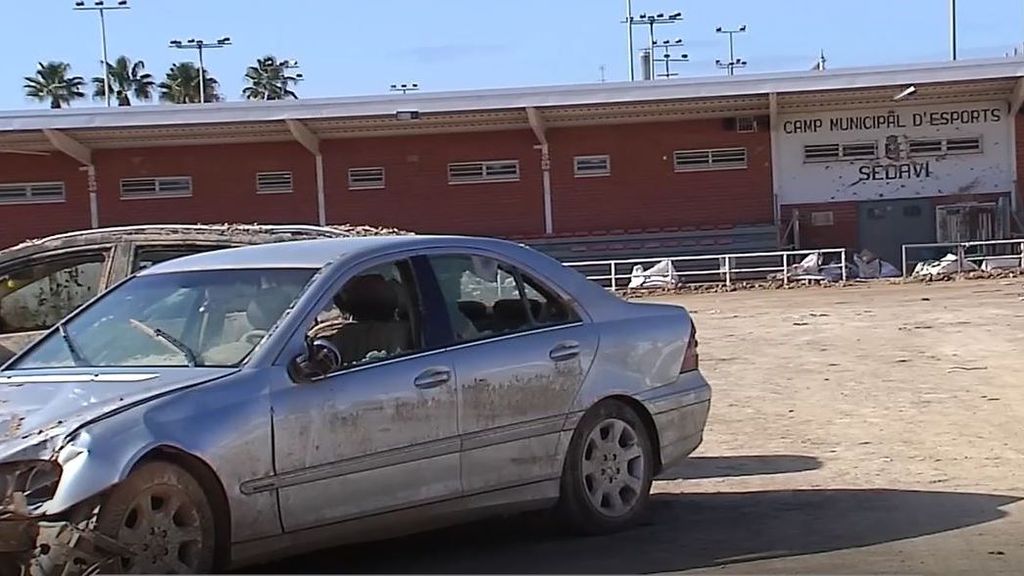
x: 649, y: 20
x: 629, y: 38
x: 200, y: 45
x: 733, y: 62
x: 101, y: 7
x: 952, y: 27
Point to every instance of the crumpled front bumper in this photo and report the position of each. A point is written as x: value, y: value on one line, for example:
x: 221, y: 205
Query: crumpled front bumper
x: 32, y: 547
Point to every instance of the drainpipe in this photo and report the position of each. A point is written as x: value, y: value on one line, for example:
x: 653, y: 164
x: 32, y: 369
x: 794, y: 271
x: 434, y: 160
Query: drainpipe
x: 540, y: 131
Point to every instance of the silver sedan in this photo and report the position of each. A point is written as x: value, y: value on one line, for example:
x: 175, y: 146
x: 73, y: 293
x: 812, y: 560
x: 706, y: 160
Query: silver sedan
x: 242, y: 405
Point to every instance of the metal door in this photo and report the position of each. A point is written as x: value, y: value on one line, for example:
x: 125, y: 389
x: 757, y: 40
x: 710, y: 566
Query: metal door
x: 885, y: 226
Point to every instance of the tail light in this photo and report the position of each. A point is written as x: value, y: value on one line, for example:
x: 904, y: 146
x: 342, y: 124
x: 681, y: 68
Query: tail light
x: 691, y: 360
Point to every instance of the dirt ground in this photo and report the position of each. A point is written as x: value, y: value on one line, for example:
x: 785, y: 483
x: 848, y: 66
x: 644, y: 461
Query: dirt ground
x: 867, y: 429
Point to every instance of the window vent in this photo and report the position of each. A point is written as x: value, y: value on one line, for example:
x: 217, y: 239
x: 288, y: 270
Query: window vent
x: 495, y: 171
x: 32, y: 193
x: 587, y: 166
x: 156, y: 187
x: 719, y: 159
x: 746, y: 124
x: 273, y: 182
x: 365, y: 178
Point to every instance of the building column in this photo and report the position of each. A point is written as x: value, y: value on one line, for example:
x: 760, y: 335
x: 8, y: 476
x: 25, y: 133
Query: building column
x: 773, y: 137
x: 303, y: 135
x: 540, y: 131
x: 83, y: 154
x: 1016, y: 100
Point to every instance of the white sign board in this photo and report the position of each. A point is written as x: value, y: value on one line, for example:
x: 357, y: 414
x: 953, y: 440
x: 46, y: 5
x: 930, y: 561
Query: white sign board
x: 916, y: 152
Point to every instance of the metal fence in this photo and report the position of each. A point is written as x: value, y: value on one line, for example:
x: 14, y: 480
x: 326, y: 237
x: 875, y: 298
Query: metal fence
x: 989, y: 248
x: 726, y: 267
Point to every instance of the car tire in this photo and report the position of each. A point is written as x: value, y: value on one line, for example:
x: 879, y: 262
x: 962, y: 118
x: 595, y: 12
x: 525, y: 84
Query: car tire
x: 162, y: 513
x: 608, y: 471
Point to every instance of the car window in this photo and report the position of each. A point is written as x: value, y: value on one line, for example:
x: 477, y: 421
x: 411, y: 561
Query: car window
x: 209, y: 318
x: 39, y: 294
x: 486, y: 298
x: 147, y: 256
x: 373, y: 317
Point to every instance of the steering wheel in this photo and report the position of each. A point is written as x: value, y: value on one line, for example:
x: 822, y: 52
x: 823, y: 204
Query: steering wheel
x: 253, y: 336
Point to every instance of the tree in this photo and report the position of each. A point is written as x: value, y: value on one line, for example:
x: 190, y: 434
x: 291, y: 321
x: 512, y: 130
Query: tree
x: 127, y: 78
x: 269, y: 80
x: 182, y: 85
x: 52, y: 82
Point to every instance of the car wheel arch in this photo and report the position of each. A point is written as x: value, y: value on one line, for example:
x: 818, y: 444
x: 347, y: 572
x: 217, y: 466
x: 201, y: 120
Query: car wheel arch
x: 212, y: 486
x: 645, y: 416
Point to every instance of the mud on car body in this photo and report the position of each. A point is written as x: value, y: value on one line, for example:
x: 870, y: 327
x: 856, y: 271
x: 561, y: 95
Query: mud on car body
x: 239, y: 406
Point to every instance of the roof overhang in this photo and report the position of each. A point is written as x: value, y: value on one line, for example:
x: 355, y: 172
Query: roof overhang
x: 506, y: 109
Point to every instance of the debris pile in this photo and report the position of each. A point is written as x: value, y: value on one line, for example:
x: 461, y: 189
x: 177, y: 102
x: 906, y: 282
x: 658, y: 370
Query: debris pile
x: 661, y: 275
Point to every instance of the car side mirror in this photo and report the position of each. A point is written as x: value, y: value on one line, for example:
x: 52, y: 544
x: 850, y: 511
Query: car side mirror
x: 320, y: 359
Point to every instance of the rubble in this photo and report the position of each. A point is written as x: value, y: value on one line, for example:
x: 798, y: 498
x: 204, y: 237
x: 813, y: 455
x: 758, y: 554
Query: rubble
x: 661, y: 275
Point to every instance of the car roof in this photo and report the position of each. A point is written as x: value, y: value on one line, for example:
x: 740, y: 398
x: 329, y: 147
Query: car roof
x: 318, y: 253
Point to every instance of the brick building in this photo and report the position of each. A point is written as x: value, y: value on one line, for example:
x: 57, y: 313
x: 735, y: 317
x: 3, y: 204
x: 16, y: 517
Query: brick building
x: 751, y: 162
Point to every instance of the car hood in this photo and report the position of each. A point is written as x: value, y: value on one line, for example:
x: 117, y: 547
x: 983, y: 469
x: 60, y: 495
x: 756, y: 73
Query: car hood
x: 40, y: 406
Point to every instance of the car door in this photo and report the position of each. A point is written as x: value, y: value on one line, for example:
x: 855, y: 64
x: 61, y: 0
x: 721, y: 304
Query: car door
x: 38, y: 292
x: 521, y: 352
x: 379, y: 433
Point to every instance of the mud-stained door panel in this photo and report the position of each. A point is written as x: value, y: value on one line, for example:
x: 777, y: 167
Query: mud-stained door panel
x: 520, y: 355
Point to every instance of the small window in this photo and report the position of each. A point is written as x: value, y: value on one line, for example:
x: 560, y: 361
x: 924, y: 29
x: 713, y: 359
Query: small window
x: 925, y: 147
x: 273, y: 182
x: 493, y: 171
x: 38, y: 295
x: 32, y: 193
x: 718, y: 159
x: 822, y: 218
x: 821, y: 152
x: 170, y: 187
x: 486, y: 298
x: 860, y: 150
x: 876, y: 214
x: 366, y: 178
x: 746, y: 124
x: 963, y: 145
x: 588, y: 166
x: 837, y: 152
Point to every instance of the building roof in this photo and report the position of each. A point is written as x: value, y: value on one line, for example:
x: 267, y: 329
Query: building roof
x: 496, y: 109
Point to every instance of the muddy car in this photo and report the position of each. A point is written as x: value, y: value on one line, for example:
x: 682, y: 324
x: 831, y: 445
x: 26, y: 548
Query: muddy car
x: 44, y: 280
x: 229, y: 408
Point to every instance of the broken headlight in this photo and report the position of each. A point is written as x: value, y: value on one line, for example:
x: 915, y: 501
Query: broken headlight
x: 25, y: 484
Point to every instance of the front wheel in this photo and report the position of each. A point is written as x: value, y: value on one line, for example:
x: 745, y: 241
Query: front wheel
x: 606, y: 480
x: 161, y: 513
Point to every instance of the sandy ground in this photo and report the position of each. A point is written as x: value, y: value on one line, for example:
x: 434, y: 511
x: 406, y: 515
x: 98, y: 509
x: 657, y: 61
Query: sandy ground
x: 858, y: 430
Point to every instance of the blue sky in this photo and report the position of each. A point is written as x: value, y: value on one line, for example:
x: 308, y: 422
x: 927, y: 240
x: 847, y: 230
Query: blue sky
x: 357, y: 47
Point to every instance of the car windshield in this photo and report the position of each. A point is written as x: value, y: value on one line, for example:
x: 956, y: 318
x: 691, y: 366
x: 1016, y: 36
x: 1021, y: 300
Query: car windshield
x: 209, y: 318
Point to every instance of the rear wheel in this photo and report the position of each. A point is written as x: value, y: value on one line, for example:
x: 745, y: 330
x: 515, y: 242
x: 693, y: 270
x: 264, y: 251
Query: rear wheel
x: 606, y: 480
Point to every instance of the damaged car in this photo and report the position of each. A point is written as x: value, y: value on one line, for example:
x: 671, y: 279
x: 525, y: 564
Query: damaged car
x: 234, y: 407
x: 44, y: 280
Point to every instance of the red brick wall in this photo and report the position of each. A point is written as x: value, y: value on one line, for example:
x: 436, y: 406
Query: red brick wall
x: 418, y: 196
x: 645, y: 192
x: 223, y: 184
x: 843, y: 233
x: 22, y: 221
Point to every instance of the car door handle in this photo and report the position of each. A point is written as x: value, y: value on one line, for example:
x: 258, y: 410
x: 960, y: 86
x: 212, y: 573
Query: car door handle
x: 433, y: 378
x: 565, y: 351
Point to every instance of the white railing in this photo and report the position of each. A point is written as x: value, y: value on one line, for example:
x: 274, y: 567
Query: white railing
x: 727, y: 266
x: 961, y: 250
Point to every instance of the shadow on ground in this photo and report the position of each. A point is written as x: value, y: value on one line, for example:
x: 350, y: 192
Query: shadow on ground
x: 701, y: 467
x: 683, y: 531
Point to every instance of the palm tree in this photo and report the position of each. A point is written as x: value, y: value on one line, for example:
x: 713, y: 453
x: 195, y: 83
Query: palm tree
x: 269, y: 80
x: 52, y: 82
x: 127, y: 78
x: 182, y: 85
